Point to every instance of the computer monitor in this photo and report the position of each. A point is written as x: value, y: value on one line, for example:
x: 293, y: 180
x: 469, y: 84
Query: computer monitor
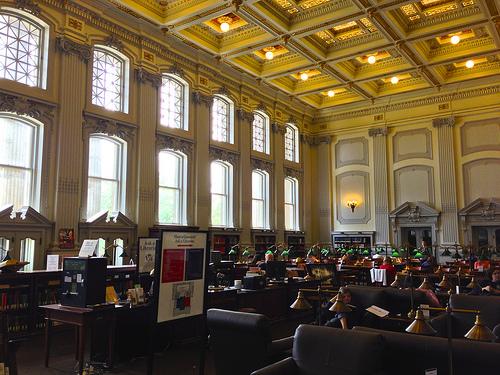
x: 322, y: 271
x: 276, y: 269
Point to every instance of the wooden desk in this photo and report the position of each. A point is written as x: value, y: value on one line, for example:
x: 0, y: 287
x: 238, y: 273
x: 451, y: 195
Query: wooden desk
x: 82, y: 318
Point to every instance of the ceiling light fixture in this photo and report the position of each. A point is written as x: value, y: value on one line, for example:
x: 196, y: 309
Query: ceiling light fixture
x: 455, y: 39
x: 269, y: 55
x: 372, y: 59
x: 224, y: 26
x: 331, y: 93
x: 394, y: 80
x: 304, y: 76
x: 469, y: 64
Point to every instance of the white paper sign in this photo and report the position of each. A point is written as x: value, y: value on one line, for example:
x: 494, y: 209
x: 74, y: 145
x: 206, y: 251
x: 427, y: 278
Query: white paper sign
x: 147, y: 254
x: 431, y: 371
x: 425, y: 311
x: 88, y: 248
x: 377, y: 311
x: 52, y: 262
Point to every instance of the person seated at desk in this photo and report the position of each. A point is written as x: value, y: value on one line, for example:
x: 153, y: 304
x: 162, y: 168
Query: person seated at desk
x: 268, y: 257
x: 344, y: 320
x: 482, y: 263
x: 390, y: 272
x: 490, y: 286
x: 428, y: 264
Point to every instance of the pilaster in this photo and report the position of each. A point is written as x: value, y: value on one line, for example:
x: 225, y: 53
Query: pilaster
x: 323, y: 184
x: 278, y: 222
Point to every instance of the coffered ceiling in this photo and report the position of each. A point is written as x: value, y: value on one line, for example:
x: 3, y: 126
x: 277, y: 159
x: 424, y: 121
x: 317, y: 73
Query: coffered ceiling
x: 333, y: 52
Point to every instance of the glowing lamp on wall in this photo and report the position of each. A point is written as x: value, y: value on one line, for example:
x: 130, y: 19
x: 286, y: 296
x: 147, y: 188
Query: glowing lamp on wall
x: 352, y: 204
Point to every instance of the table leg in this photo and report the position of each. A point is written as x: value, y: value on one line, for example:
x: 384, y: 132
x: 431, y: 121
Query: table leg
x: 48, y: 326
x: 111, y: 341
x: 81, y: 349
x: 76, y: 341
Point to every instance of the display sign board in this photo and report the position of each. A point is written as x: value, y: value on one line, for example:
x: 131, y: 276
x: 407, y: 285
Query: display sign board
x: 180, y: 275
x: 147, y: 254
x: 89, y: 248
x: 53, y: 262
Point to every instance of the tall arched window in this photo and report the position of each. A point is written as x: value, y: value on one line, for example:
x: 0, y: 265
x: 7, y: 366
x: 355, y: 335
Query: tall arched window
x: 260, y: 199
x: 221, y: 189
x: 106, y: 175
x: 20, y: 161
x: 260, y: 133
x: 110, y: 79
x: 222, y: 119
x: 23, y: 48
x: 292, y: 143
x: 291, y: 203
x: 172, y: 177
x: 173, y: 102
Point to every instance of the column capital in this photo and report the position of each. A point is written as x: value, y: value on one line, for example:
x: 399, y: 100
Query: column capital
x: 322, y: 139
x: 199, y: 98
x: 278, y: 128
x: 443, y: 122
x: 377, y: 132
x: 144, y: 76
x: 244, y: 115
x: 69, y: 46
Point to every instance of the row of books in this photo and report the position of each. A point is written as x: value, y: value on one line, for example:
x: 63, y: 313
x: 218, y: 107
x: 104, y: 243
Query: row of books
x: 48, y: 296
x: 14, y: 300
x: 18, y: 324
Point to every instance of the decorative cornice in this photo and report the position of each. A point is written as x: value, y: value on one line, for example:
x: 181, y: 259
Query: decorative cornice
x: 224, y: 155
x: 294, y: 173
x: 21, y: 105
x: 95, y: 124
x: 164, y: 141
x: 263, y: 165
x: 307, y: 139
x: 323, y: 139
x: 176, y: 70
x: 277, y: 128
x: 68, y: 46
x: 29, y: 6
x: 244, y: 115
x: 377, y: 132
x: 144, y: 76
x: 114, y: 41
x: 443, y: 121
x: 261, y: 107
x: 200, y: 98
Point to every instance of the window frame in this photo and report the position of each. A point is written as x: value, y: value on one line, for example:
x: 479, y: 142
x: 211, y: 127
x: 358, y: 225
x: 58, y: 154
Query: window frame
x: 267, y: 140
x: 295, y: 204
x: 185, y: 101
x: 229, y: 193
x: 125, y: 73
x: 230, y: 119
x: 121, y: 169
x: 182, y: 178
x: 43, y: 44
x: 295, y: 134
x: 265, y: 198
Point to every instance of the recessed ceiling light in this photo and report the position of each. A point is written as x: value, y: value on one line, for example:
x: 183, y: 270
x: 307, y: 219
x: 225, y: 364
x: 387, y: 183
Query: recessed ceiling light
x: 269, y: 55
x: 224, y: 26
x: 372, y: 59
x: 331, y: 93
x: 304, y: 76
x: 469, y: 64
x: 455, y: 39
x: 394, y: 80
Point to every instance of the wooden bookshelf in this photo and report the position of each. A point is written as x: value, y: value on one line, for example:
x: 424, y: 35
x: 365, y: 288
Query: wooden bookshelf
x: 298, y: 241
x: 262, y: 240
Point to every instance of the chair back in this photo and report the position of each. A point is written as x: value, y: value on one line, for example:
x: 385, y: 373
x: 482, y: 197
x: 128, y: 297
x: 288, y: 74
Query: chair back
x: 488, y: 305
x: 239, y: 341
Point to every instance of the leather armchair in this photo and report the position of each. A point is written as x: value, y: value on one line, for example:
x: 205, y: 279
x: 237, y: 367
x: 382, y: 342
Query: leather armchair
x: 461, y: 323
x: 330, y: 351
x: 242, y: 342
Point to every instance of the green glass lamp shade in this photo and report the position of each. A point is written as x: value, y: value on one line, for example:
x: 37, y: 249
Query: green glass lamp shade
x: 366, y: 252
x: 246, y: 252
x: 285, y: 253
x: 343, y: 251
x: 395, y: 254
x: 350, y: 251
x: 232, y: 252
x: 418, y: 255
x: 310, y: 252
x: 269, y: 252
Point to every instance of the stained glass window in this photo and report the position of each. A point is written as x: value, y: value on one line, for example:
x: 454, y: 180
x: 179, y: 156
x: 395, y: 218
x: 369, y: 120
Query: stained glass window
x: 260, y: 133
x: 173, y: 103
x: 222, y: 120
x: 292, y: 143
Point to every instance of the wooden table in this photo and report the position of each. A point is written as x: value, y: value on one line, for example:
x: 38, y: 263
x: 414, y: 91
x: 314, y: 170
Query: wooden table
x: 82, y: 319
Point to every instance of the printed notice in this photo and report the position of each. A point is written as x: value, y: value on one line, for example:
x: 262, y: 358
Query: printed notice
x: 173, y: 266
x: 52, y: 262
x: 377, y: 311
x: 88, y: 248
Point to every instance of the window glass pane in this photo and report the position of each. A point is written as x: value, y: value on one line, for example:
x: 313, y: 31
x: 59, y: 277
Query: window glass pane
x: 288, y: 191
x: 258, y: 213
x: 172, y: 103
x: 290, y: 144
x: 102, y: 196
x: 259, y: 133
x: 289, y: 217
x: 107, y: 80
x: 104, y: 157
x: 169, y: 204
x: 27, y: 253
x: 101, y: 246
x: 20, y: 42
x: 257, y: 185
x: 118, y: 261
x: 4, y: 247
x: 220, y: 120
x: 219, y: 210
x: 218, y: 178
x: 169, y: 165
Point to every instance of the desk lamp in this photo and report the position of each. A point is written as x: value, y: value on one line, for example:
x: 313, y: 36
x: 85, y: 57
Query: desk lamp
x: 301, y: 302
x: 124, y: 253
x: 473, y: 283
x: 397, y: 282
x: 445, y: 284
x: 446, y: 252
x: 439, y: 271
x: 426, y: 284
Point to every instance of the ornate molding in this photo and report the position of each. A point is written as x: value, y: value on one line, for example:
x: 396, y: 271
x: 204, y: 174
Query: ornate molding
x: 68, y: 46
x: 443, y: 121
x: 307, y: 139
x: 321, y: 139
x: 29, y: 6
x: 224, y: 155
x: 261, y: 107
x: 23, y: 106
x: 244, y: 115
x: 200, y: 98
x: 164, y: 141
x: 94, y: 124
x: 114, y: 41
x: 176, y: 70
x: 277, y: 128
x: 377, y: 132
x: 292, y: 172
x: 263, y: 165
x: 223, y: 90
x: 144, y: 76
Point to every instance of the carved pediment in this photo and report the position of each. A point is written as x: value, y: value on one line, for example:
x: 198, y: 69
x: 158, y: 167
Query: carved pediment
x: 482, y: 208
x: 25, y: 216
x: 414, y: 212
x: 109, y: 219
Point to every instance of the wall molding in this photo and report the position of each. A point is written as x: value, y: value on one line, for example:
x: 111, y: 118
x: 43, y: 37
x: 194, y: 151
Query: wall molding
x: 70, y: 47
x: 486, y: 147
x: 366, y: 198
x: 21, y: 105
x: 96, y: 124
x: 427, y: 154
x: 217, y: 153
x: 466, y: 168
x: 364, y: 161
x: 168, y: 142
x: 261, y: 164
x: 418, y: 167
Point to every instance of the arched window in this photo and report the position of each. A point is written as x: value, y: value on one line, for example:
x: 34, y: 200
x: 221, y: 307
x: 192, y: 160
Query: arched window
x: 20, y: 161
x: 106, y: 175
x: 222, y: 119
x: 221, y: 189
x: 292, y: 143
x: 110, y: 79
x: 260, y: 133
x: 23, y: 48
x: 174, y: 103
x: 172, y: 178
x: 260, y: 199
x: 291, y: 203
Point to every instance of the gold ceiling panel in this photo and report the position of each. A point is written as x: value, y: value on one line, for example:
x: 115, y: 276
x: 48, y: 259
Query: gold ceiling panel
x: 351, y: 47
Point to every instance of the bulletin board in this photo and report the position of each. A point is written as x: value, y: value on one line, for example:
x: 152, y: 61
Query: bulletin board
x: 180, y: 275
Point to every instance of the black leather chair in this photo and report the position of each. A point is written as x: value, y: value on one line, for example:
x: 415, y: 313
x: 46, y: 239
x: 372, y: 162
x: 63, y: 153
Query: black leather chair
x: 241, y: 342
x: 461, y: 323
x: 330, y: 351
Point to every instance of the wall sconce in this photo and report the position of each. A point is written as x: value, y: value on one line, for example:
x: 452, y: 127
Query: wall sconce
x: 352, y: 204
